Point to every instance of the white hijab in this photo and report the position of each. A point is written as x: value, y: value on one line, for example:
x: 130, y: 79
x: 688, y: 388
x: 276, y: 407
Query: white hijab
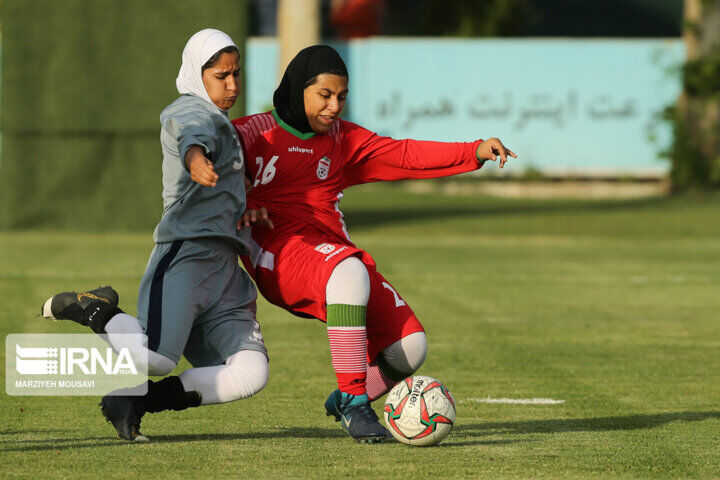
x: 198, y: 50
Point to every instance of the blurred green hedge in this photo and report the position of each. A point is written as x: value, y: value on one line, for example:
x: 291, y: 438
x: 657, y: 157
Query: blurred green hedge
x: 83, y: 85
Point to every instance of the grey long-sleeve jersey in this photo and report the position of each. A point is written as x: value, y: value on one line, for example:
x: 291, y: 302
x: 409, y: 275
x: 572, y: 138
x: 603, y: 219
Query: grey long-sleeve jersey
x: 190, y: 209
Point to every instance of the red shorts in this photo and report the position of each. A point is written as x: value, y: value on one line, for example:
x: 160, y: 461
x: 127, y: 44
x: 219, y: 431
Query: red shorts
x: 293, y: 273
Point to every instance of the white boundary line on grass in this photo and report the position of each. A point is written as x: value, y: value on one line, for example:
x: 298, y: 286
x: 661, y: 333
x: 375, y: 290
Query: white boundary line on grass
x: 519, y: 401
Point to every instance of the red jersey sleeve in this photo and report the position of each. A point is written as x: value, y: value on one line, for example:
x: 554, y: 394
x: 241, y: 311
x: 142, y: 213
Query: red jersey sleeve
x: 372, y: 158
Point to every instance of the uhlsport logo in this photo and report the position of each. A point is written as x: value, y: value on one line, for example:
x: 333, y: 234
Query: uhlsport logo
x: 77, y: 364
x: 323, y: 168
x: 295, y: 149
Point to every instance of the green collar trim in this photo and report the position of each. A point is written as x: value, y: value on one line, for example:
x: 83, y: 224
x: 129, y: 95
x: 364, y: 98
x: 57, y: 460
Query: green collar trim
x: 294, y: 131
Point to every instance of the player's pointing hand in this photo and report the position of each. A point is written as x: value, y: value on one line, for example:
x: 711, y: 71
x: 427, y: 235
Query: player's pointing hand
x: 491, y: 148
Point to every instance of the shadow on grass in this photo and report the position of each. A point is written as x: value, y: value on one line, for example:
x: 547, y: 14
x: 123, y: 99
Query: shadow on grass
x: 67, y: 443
x: 472, y: 443
x: 599, y: 424
x: 75, y: 443
x: 5, y: 433
x: 361, y: 218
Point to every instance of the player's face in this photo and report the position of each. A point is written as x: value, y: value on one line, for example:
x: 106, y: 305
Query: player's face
x: 325, y: 100
x: 222, y: 81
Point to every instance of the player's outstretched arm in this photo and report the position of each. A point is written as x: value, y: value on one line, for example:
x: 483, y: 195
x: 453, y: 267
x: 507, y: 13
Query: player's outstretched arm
x: 201, y: 169
x: 492, y: 148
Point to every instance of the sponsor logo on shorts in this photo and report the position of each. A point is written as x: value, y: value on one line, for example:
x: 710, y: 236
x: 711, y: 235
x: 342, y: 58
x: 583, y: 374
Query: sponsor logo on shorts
x: 329, y: 250
x: 335, y: 253
x: 256, y: 335
x: 325, y: 248
x: 323, y: 168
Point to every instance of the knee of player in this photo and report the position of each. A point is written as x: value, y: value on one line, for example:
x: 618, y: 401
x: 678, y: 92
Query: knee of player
x: 249, y: 372
x: 257, y: 376
x: 159, y: 365
x: 416, y: 350
x: 349, y: 283
x: 405, y: 356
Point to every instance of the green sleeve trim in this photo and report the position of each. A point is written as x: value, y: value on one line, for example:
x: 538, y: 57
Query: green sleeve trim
x: 341, y: 315
x: 294, y: 131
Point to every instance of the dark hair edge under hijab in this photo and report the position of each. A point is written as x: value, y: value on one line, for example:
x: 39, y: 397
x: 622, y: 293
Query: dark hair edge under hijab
x: 334, y: 71
x: 214, y: 59
x: 300, y: 73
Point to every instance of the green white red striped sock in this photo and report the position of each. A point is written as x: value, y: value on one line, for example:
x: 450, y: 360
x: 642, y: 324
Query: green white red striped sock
x: 378, y: 382
x: 348, y: 346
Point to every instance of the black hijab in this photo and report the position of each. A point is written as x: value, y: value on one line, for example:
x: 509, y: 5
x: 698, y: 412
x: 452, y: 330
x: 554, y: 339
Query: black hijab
x: 308, y: 63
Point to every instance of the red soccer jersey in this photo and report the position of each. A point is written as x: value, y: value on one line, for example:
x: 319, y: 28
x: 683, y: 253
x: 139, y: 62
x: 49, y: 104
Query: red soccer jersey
x: 300, y: 177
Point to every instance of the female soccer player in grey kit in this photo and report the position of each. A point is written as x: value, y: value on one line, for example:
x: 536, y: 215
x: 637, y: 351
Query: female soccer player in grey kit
x: 194, y: 299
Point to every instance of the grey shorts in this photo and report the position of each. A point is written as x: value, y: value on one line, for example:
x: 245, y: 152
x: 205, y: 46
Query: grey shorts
x: 196, y: 300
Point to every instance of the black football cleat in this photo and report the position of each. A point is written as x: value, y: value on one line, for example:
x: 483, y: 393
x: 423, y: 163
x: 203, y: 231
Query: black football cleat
x: 126, y: 411
x: 125, y: 414
x: 357, y: 417
x: 93, y: 308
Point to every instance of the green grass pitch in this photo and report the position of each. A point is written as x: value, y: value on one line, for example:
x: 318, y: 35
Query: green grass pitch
x: 613, y: 307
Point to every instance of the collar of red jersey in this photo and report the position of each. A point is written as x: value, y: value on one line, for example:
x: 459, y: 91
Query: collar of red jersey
x: 294, y: 131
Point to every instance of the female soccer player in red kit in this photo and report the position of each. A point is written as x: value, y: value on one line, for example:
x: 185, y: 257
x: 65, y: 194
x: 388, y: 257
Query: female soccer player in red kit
x: 300, y: 157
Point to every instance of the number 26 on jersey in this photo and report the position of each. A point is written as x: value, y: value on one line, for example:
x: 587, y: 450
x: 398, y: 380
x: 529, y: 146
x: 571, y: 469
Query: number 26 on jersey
x: 264, y: 176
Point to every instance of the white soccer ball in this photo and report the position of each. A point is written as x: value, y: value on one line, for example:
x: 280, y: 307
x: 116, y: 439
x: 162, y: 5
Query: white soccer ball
x: 419, y: 411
